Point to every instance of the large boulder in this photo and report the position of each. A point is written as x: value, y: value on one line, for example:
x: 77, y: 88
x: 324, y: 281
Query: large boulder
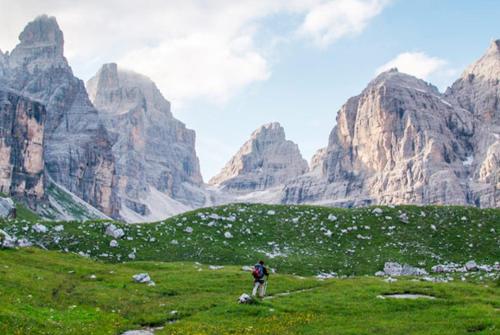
x: 7, y: 208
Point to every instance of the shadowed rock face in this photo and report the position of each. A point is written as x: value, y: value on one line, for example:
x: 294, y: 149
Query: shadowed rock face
x: 401, y: 141
x: 77, y: 149
x: 267, y: 159
x: 152, y: 149
x: 22, y: 124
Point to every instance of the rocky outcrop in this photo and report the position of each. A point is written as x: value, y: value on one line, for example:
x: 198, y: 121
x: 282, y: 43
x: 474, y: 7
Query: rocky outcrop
x: 155, y: 153
x: 22, y: 126
x: 77, y: 151
x: 7, y: 208
x: 266, y: 160
x: 399, y: 141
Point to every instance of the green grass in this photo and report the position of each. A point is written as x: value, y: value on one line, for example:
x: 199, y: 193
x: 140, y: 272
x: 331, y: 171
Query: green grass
x: 293, y: 240
x: 24, y: 213
x: 48, y: 292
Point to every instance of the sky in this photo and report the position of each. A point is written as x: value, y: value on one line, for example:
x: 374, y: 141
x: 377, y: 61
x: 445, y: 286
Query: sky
x: 229, y: 66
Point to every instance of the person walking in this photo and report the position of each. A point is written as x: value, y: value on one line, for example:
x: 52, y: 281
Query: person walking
x: 260, y: 275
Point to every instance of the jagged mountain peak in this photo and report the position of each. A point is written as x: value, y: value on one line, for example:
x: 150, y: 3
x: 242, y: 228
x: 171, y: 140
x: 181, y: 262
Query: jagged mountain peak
x: 42, y: 31
x: 266, y: 160
x: 114, y: 85
x: 395, y: 78
x: 270, y: 129
x: 41, y: 45
x: 488, y: 66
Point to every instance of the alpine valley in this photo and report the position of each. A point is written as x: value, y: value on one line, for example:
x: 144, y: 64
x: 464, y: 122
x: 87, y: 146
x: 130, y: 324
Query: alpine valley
x: 113, y: 149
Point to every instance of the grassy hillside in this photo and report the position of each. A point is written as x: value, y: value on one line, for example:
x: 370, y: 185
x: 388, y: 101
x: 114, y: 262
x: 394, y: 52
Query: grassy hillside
x: 293, y: 239
x: 46, y: 292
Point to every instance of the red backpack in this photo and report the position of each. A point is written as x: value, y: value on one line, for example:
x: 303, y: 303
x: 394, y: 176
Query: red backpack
x: 258, y: 271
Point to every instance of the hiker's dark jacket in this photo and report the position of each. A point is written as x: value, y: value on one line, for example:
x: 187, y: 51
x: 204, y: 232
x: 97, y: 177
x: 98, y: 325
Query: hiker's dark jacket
x: 264, y: 273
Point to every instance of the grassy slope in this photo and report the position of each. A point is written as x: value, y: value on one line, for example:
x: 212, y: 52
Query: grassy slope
x: 294, y: 246
x: 46, y: 292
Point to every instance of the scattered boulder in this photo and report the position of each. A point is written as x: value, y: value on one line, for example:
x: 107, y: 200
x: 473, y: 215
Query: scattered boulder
x: 377, y: 211
x: 380, y: 273
x: 471, y: 266
x: 404, y: 218
x: 24, y: 243
x: 228, y: 235
x: 113, y: 243
x: 59, y: 228
x: 40, y: 228
x: 396, y: 269
x: 332, y: 217
x: 247, y: 268
x: 143, y: 278
x: 7, y: 208
x: 138, y: 332
x: 244, y: 299
x: 393, y: 268
x: 7, y: 241
x: 322, y: 276
x: 215, y: 267
x: 114, y: 231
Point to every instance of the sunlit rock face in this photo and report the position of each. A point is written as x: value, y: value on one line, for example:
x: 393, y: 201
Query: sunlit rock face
x: 22, y: 123
x: 266, y: 160
x: 77, y: 150
x: 477, y: 92
x: 402, y: 141
x: 154, y: 152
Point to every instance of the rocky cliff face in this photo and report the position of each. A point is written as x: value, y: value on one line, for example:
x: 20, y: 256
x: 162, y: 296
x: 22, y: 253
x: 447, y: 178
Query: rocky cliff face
x: 477, y: 93
x: 77, y: 150
x: 266, y: 160
x: 155, y: 154
x: 401, y: 141
x: 22, y: 123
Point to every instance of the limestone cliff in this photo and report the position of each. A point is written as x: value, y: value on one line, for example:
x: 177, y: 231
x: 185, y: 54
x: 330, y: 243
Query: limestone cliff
x: 266, y: 160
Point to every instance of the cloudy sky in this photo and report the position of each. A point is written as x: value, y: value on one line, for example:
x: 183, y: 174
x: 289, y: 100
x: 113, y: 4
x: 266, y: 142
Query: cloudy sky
x: 229, y: 66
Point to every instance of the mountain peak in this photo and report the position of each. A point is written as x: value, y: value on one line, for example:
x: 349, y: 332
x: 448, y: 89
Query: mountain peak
x: 488, y: 66
x: 41, y: 45
x: 269, y: 129
x: 394, y: 78
x: 266, y: 160
x: 43, y: 31
x: 494, y: 47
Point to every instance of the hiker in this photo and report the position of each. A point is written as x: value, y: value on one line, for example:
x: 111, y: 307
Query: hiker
x: 259, y: 272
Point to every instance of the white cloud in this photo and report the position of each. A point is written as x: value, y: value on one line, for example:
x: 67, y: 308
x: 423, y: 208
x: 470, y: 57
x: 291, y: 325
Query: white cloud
x: 417, y: 64
x: 329, y: 21
x: 191, y: 48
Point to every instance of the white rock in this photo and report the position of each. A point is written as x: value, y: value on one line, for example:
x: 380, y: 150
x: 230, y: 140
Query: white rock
x: 215, y: 267
x: 115, y: 232
x: 188, y: 230
x: 471, y: 266
x: 141, y: 278
x: 228, y: 235
x: 59, y: 228
x: 113, y: 243
x: 138, y: 332
x: 40, y: 228
x: 7, y: 240
x: 377, y: 211
x: 7, y: 207
x: 24, y: 243
x: 332, y: 217
x: 244, y: 299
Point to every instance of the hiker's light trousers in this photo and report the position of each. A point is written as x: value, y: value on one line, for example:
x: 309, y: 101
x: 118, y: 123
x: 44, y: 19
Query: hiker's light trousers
x: 260, y: 288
